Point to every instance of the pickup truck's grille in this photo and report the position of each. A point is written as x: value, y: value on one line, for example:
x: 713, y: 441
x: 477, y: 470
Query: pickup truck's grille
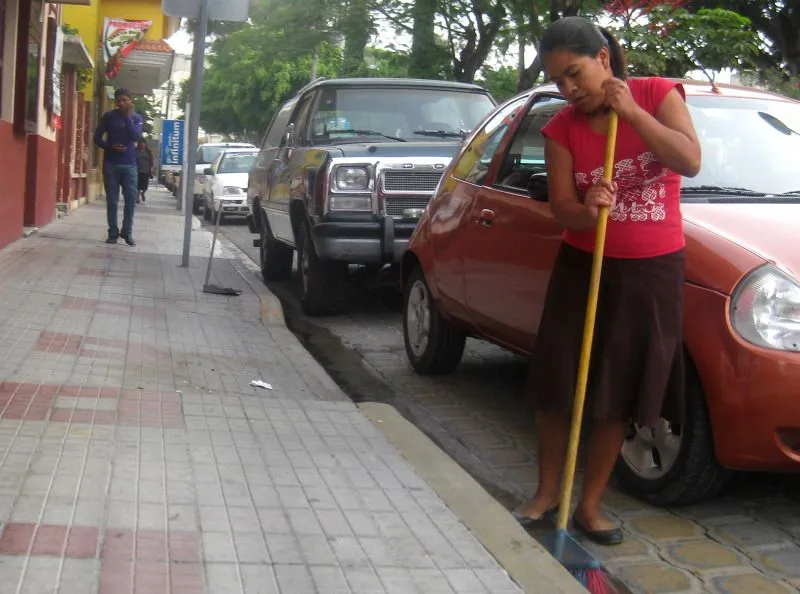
x: 411, y: 181
x: 395, y: 205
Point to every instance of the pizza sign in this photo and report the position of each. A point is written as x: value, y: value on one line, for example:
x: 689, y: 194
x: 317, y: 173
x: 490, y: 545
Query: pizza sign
x: 120, y: 38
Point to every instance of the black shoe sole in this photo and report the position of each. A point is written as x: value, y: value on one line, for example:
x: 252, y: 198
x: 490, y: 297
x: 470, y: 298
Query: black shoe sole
x: 606, y: 538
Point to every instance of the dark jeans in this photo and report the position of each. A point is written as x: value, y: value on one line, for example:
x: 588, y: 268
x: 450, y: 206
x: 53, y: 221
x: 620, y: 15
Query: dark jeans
x: 115, y: 176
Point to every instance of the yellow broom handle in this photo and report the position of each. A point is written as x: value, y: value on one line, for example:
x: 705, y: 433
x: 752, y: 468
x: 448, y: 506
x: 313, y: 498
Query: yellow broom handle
x: 588, y: 335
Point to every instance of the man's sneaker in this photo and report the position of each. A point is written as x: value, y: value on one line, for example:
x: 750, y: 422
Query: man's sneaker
x: 128, y: 240
x: 111, y: 240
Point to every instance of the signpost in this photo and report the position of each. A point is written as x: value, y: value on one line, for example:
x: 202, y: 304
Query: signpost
x: 203, y: 10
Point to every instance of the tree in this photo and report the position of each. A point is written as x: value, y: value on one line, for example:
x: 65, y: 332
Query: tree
x: 251, y: 73
x: 149, y: 108
x: 424, y: 48
x: 674, y: 41
x: 777, y: 21
x: 357, y: 28
x: 501, y: 83
x: 472, y: 29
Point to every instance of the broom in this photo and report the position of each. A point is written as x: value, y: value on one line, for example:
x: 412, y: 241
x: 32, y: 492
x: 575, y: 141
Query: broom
x: 569, y: 552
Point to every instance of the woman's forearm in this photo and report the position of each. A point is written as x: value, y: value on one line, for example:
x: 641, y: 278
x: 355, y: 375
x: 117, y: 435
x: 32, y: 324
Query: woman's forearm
x: 675, y: 150
x: 572, y: 215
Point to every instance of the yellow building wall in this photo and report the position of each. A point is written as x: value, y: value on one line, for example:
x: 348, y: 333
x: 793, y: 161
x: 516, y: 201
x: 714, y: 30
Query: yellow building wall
x: 89, y: 21
x: 85, y: 19
x: 139, y: 10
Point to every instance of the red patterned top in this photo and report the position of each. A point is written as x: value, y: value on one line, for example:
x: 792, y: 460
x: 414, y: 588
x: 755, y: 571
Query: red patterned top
x: 646, y: 220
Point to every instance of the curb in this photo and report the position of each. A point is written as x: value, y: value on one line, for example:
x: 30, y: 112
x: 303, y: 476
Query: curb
x: 270, y: 310
x: 525, y: 560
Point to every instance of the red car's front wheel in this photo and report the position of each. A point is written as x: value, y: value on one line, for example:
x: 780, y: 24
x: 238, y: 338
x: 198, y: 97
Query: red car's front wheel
x: 433, y: 346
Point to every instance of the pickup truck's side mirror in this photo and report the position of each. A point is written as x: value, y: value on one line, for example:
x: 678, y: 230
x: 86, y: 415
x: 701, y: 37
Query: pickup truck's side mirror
x: 537, y: 187
x: 208, y: 171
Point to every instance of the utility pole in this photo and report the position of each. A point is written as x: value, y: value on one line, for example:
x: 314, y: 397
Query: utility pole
x: 198, y: 67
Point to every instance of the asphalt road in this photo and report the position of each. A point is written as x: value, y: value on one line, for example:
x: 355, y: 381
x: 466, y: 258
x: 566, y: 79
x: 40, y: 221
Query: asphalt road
x: 477, y: 416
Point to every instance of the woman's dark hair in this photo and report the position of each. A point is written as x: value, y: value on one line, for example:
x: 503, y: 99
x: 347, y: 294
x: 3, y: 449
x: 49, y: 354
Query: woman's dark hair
x: 582, y: 37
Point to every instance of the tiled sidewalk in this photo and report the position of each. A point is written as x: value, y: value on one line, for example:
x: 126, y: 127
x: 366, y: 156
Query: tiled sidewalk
x: 135, y: 457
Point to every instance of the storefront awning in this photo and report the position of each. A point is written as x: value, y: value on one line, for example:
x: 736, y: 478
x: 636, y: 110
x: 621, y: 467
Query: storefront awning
x: 146, y: 68
x: 75, y: 53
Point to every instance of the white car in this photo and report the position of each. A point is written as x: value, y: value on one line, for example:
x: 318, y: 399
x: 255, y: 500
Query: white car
x: 226, y: 183
x: 206, y: 154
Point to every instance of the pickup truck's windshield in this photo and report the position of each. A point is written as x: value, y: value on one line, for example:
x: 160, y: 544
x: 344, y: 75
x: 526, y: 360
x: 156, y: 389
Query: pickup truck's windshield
x: 410, y: 114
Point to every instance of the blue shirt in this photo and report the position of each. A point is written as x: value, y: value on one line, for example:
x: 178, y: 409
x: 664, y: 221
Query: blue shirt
x: 119, y: 129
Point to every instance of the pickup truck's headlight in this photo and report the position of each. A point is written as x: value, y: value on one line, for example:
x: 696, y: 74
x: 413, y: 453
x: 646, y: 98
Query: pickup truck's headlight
x: 352, y: 178
x: 765, y: 309
x: 361, y: 202
x: 232, y: 191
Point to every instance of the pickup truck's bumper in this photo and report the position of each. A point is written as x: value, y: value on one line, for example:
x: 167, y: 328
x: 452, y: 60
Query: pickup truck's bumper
x: 381, y: 241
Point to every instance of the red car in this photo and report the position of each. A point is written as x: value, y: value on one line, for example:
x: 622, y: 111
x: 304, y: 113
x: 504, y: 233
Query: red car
x: 479, y: 262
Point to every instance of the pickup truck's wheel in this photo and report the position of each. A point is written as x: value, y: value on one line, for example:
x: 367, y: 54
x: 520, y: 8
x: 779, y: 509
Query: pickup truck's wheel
x: 673, y: 465
x: 322, y: 282
x: 196, y: 204
x: 276, y: 258
x: 432, y: 345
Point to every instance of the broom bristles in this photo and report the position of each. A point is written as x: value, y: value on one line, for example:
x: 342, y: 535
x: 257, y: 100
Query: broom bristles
x: 594, y: 580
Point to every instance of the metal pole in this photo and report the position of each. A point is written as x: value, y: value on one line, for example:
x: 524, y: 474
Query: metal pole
x: 194, y: 124
x: 214, y: 240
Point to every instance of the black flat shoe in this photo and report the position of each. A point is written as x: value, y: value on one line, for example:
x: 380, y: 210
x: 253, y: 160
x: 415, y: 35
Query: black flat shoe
x: 129, y: 240
x: 526, y: 521
x: 111, y: 240
x: 602, y: 537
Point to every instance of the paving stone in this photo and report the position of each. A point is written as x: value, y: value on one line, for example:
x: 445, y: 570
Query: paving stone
x: 664, y: 527
x: 702, y: 555
x: 784, y: 562
x: 748, y: 583
x: 654, y: 578
x: 747, y: 535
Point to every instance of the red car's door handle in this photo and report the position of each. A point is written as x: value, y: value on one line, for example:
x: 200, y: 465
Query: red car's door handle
x: 486, y: 217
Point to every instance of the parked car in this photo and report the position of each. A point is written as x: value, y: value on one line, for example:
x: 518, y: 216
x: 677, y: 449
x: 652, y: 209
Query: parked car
x: 205, y: 156
x: 344, y: 171
x: 479, y: 262
x: 226, y: 183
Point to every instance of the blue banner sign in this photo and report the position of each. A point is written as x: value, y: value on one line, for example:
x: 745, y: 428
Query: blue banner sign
x: 172, y: 143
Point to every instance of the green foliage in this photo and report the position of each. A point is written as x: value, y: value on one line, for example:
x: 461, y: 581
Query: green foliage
x: 149, y: 109
x: 501, y: 83
x: 251, y: 73
x: 675, y: 41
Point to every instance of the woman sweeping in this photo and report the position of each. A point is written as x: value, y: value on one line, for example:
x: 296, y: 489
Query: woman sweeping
x: 637, y: 363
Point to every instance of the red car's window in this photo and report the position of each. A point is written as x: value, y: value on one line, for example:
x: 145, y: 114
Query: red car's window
x: 525, y: 154
x: 474, y: 162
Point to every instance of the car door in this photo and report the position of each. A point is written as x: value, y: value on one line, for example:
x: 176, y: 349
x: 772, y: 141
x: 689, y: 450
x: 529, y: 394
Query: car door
x: 289, y: 168
x: 264, y: 171
x: 211, y: 180
x: 450, y: 210
x: 512, y: 239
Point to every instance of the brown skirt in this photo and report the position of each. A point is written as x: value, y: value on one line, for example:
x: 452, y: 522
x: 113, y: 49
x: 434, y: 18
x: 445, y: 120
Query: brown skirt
x: 637, y: 366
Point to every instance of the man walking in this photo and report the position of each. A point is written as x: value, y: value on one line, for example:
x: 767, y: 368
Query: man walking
x: 117, y: 134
